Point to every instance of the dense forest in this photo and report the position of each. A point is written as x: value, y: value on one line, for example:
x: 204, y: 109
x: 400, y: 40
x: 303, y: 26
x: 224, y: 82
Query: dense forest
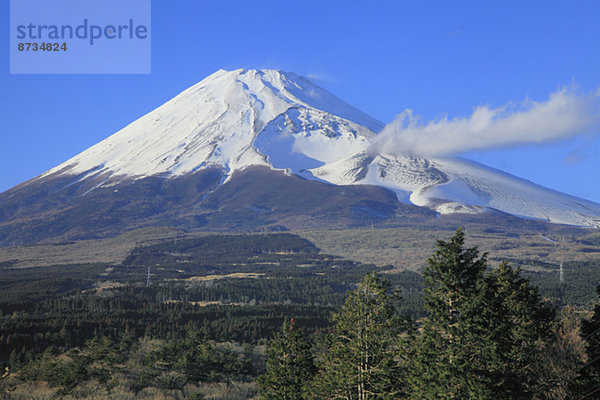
x: 269, y: 316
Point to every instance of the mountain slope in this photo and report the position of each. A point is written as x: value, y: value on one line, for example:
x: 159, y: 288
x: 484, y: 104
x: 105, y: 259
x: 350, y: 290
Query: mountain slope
x: 255, y: 198
x: 453, y: 185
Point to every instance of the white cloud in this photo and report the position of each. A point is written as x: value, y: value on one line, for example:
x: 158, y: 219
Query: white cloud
x: 565, y: 114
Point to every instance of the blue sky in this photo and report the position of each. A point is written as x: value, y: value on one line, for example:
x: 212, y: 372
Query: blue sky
x: 435, y: 58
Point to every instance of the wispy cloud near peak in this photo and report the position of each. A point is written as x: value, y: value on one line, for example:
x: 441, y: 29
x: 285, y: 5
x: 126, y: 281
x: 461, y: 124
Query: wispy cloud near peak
x: 566, y: 113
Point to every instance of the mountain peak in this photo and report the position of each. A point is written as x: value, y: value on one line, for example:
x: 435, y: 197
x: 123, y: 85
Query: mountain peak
x: 293, y: 88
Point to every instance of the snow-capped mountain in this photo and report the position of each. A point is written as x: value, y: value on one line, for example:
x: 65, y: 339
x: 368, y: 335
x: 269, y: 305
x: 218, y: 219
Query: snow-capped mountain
x: 245, y: 149
x: 231, y: 120
x: 235, y: 119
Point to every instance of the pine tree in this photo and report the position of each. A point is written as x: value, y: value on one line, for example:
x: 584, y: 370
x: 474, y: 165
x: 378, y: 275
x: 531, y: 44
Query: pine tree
x: 453, y: 352
x: 523, y: 331
x: 289, y: 365
x: 488, y: 334
x: 362, y: 359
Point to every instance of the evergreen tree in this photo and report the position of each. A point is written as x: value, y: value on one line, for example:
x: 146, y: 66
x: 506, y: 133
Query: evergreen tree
x: 289, y: 365
x: 453, y: 353
x: 362, y: 359
x: 488, y: 335
x: 523, y: 331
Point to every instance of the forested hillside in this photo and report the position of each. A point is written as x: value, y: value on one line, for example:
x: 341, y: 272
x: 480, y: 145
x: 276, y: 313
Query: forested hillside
x: 270, y: 316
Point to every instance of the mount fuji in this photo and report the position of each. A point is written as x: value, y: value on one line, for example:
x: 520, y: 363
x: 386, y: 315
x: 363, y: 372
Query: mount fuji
x: 247, y: 149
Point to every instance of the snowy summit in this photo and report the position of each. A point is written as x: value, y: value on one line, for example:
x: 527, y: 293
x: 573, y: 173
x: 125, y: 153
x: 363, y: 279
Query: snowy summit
x: 217, y: 122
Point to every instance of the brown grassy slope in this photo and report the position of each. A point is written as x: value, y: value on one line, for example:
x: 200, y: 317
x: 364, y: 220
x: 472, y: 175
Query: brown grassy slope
x: 409, y: 248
